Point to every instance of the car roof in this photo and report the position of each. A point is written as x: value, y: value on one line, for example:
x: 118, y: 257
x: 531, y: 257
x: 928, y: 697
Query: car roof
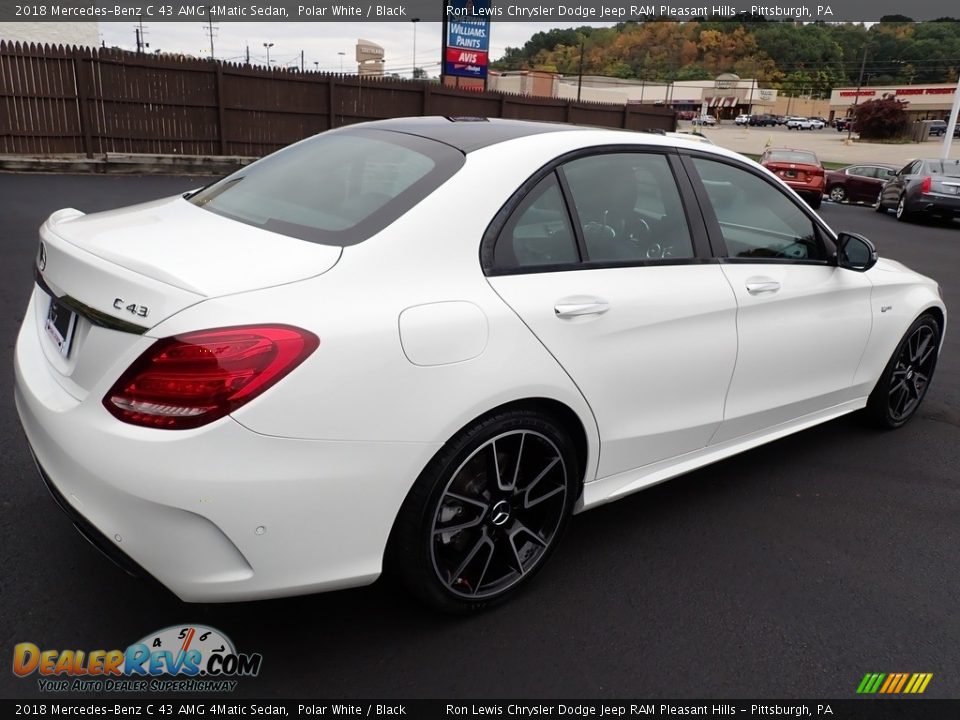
x: 888, y: 166
x: 786, y: 149
x: 466, y: 133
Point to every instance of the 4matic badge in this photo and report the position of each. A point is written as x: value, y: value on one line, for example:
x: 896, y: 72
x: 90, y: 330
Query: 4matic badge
x: 197, y: 657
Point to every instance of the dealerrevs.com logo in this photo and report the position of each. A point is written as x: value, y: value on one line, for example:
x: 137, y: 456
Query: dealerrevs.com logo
x: 180, y: 658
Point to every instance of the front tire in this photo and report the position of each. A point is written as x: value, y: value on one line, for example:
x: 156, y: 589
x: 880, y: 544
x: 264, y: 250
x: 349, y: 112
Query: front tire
x: 837, y: 194
x: 905, y: 380
x: 487, y: 512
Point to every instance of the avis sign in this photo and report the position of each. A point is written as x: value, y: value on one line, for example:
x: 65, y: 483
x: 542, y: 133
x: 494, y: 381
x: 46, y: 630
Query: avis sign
x: 467, y: 43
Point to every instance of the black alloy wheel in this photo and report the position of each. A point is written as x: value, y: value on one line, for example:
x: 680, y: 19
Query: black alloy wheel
x: 487, y: 512
x: 907, y: 376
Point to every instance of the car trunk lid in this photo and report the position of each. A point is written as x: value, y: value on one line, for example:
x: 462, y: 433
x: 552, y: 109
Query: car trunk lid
x: 105, y: 280
x: 795, y: 172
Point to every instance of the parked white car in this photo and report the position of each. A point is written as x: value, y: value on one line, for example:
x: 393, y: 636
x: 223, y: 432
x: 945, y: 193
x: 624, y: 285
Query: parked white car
x: 817, y: 124
x: 742, y: 119
x: 705, y: 120
x: 424, y: 343
x: 799, y: 123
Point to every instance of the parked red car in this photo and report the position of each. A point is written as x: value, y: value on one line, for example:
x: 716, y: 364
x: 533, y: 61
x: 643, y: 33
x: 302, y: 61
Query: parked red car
x: 859, y: 183
x: 800, y: 169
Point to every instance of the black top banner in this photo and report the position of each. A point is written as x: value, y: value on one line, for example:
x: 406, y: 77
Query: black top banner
x: 184, y: 707
x: 577, y: 12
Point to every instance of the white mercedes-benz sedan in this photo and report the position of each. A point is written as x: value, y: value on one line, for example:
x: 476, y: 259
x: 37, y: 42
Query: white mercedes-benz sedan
x: 420, y: 345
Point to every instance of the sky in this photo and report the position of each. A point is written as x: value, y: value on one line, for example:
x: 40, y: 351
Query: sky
x: 320, y: 42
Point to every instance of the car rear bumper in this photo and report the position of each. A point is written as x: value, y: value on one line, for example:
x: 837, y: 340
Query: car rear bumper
x: 938, y: 204
x: 219, y: 513
x: 806, y: 188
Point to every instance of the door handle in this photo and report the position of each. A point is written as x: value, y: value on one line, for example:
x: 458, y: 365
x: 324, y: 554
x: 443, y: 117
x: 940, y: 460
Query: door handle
x: 592, y: 306
x: 756, y: 286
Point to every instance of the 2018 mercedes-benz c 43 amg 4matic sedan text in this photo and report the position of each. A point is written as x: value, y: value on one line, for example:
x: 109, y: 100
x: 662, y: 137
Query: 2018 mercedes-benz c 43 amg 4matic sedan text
x: 420, y: 345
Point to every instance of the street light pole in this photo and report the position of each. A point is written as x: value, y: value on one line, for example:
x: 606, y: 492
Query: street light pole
x: 414, y: 21
x: 951, y: 123
x: 268, y: 46
x: 341, y: 54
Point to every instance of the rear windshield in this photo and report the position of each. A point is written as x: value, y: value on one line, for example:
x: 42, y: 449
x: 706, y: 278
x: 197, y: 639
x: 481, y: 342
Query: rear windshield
x: 950, y: 168
x: 792, y: 156
x: 337, y: 188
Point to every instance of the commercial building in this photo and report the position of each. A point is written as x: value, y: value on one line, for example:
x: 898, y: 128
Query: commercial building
x: 725, y: 97
x: 926, y: 102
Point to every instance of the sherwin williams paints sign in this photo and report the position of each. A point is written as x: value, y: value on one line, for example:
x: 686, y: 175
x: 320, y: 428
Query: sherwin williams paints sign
x: 466, y: 49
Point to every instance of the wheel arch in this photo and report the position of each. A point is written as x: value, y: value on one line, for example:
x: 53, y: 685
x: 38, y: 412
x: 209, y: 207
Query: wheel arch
x: 939, y: 316
x: 566, y: 417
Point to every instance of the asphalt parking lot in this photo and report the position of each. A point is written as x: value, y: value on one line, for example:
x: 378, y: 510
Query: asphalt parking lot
x: 788, y: 571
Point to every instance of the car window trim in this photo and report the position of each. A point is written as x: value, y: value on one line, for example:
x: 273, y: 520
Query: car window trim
x: 572, y: 215
x: 699, y: 235
x: 714, y: 230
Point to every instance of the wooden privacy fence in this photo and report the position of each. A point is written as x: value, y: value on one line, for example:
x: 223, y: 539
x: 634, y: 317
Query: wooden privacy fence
x: 68, y: 100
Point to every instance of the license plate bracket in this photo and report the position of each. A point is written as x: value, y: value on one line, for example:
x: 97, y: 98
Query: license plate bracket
x: 60, y: 325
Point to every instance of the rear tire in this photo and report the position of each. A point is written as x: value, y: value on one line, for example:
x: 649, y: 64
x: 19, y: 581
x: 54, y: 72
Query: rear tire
x: 486, y: 513
x: 904, y: 382
x: 815, y: 201
x: 878, y: 206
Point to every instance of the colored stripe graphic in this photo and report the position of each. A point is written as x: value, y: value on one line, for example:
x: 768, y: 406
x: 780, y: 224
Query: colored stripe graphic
x: 894, y: 683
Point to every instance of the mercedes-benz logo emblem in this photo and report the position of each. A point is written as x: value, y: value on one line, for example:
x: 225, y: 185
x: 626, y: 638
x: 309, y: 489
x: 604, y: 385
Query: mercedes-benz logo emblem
x: 42, y: 258
x: 500, y: 513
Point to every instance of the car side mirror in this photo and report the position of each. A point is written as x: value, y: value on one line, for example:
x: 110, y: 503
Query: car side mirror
x: 855, y: 252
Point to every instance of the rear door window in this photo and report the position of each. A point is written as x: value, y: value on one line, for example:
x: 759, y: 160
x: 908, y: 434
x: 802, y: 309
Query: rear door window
x: 539, y: 233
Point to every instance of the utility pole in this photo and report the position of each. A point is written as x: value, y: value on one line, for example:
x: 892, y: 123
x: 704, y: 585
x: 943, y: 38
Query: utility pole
x: 580, y: 74
x: 341, y: 54
x: 141, y: 34
x: 210, y: 29
x: 248, y: 53
x: 303, y: 67
x: 951, y: 123
x: 856, y: 98
x: 414, y: 21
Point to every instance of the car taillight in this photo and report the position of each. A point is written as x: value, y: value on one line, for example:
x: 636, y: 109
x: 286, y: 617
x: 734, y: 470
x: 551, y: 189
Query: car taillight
x: 190, y: 380
x: 925, y: 184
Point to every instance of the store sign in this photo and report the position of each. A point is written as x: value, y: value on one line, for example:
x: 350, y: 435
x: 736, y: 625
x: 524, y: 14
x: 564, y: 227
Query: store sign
x: 854, y: 93
x: 467, y: 43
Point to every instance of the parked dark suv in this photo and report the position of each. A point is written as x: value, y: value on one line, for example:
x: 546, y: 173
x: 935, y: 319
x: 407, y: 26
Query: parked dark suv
x: 842, y: 124
x: 939, y: 128
x: 763, y: 120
